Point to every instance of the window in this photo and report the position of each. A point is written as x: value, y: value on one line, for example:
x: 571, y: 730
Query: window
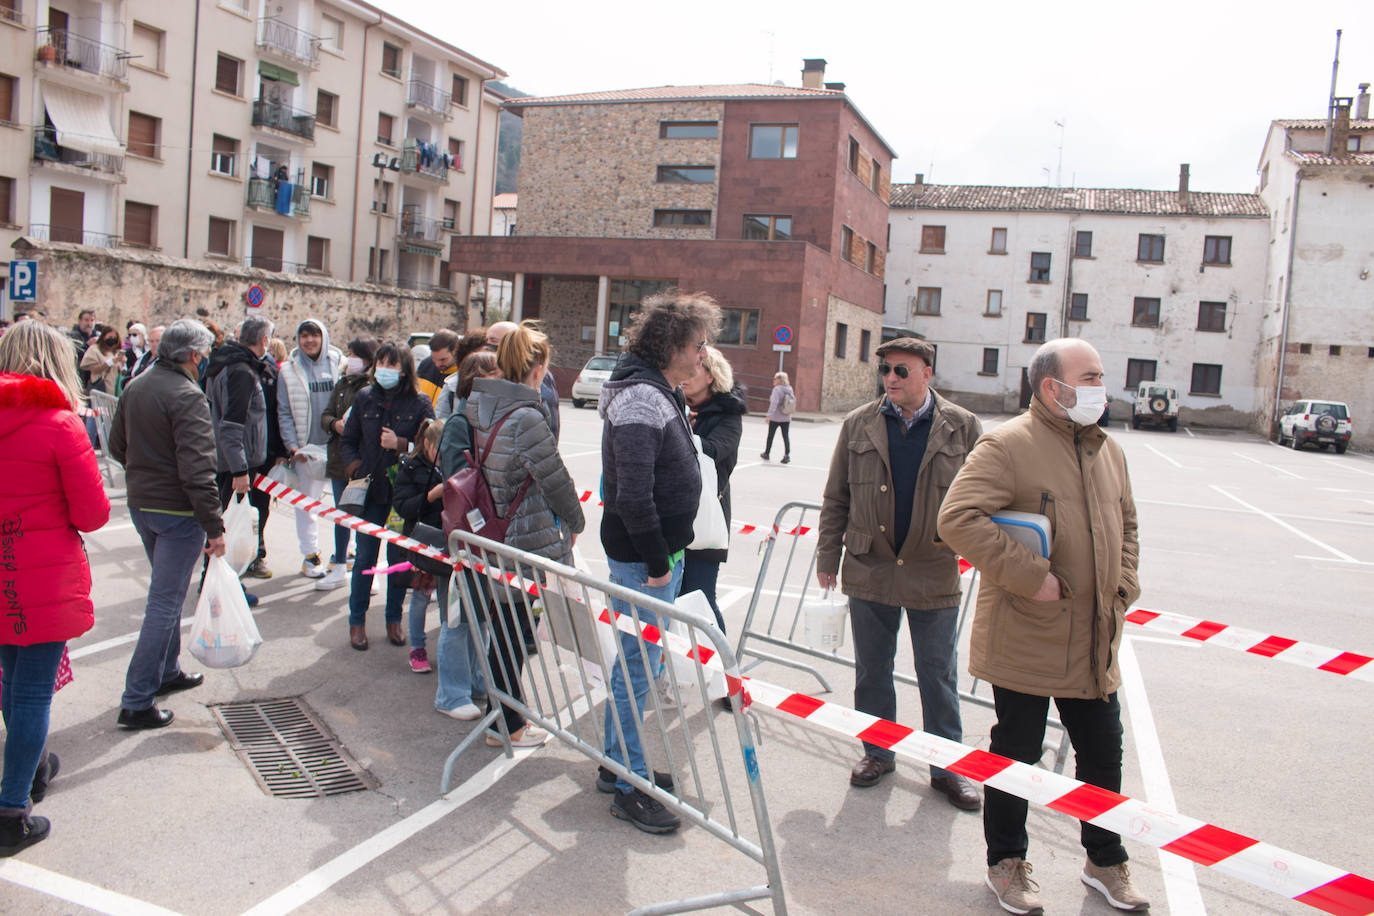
x: 221, y: 237
x: 876, y: 180
x: 1139, y: 370
x: 1333, y: 350
x: 687, y: 130
x: 8, y: 87
x: 374, y: 257
x: 381, y: 190
x: 870, y: 258
x: 739, y: 327
x: 1264, y: 176
x: 1211, y: 316
x: 229, y: 75
x: 846, y: 242
x: 865, y: 342
x: 999, y: 242
x: 332, y: 32
x: 317, y: 254
x: 146, y: 46
x: 773, y: 141
x: 853, y: 155
x: 686, y: 174
x: 1206, y: 379
x: 386, y: 124
x: 933, y: 239
x: 994, y: 307
x: 1040, y: 267
x: 391, y: 60
x: 1083, y: 244
x: 1216, y: 249
x: 1304, y: 348
x: 623, y: 300
x: 144, y: 135
x: 327, y: 108
x: 1371, y: 349
x: 140, y: 225
x: 460, y: 90
x: 321, y: 180
x: 989, y: 361
x: 841, y: 339
x: 928, y: 300
x: 767, y: 228
x: 682, y: 217
x: 1150, y: 248
x: 1078, y: 307
x: 224, y: 154
x: 455, y: 149
x: 451, y: 210
x: 1352, y: 143
x: 7, y: 204
x: 1035, y: 327
x: 1145, y: 313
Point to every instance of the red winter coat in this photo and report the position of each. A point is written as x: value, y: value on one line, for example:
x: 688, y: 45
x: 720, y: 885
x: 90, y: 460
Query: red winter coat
x: 52, y: 491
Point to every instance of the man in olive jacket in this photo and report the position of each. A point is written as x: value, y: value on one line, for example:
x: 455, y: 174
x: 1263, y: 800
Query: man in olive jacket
x: 894, y: 459
x: 1050, y: 626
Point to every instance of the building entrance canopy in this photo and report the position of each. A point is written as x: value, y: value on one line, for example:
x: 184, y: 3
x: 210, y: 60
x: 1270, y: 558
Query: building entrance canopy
x: 81, y: 121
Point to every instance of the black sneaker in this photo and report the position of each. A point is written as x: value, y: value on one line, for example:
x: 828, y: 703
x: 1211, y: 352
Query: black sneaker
x: 44, y: 775
x: 605, y: 780
x: 645, y: 813
x: 19, y: 833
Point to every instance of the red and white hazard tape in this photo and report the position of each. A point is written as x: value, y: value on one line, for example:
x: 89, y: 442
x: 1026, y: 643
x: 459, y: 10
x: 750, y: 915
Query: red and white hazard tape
x: 741, y: 528
x: 88, y: 412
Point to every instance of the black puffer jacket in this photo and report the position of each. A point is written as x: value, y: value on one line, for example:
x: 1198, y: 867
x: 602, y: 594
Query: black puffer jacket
x: 415, y: 477
x: 238, y: 408
x: 718, y: 422
x: 402, y: 412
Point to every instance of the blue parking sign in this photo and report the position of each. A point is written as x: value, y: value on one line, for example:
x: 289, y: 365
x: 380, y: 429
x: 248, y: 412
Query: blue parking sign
x: 23, y: 281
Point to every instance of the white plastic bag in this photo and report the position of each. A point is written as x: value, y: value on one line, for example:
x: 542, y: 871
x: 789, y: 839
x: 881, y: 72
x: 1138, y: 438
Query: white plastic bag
x: 709, y: 531
x: 223, y: 632
x: 285, y: 475
x: 823, y: 621
x: 312, y: 468
x: 684, y: 669
x: 240, y: 543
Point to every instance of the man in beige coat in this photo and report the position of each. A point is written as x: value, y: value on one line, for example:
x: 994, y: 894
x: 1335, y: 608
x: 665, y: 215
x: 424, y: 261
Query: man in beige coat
x: 893, y: 461
x: 1050, y: 626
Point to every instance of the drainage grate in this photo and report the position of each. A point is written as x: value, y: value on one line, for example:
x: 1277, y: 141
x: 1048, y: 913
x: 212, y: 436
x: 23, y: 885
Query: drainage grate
x: 289, y: 751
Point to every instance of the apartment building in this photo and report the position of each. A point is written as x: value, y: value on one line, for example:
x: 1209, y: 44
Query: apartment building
x: 308, y: 137
x: 1168, y: 285
x: 1317, y: 340
x: 773, y: 199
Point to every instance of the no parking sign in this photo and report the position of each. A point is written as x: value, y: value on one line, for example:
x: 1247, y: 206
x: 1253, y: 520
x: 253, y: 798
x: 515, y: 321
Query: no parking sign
x: 254, y: 296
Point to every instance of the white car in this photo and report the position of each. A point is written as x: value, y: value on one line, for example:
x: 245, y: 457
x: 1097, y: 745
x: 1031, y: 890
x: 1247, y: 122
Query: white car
x: 588, y: 384
x: 1322, y: 422
x: 1155, y: 404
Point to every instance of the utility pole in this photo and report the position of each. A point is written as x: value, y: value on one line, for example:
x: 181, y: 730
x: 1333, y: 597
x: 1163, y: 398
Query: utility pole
x: 374, y: 262
x: 1331, y: 99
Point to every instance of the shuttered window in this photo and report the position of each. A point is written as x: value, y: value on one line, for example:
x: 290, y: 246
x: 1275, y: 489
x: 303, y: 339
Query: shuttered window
x: 143, y: 134
x: 140, y: 224
x: 221, y: 236
x: 326, y: 108
x: 385, y: 124
x: 317, y: 254
x: 7, y: 201
x: 7, y: 84
x: 227, y: 71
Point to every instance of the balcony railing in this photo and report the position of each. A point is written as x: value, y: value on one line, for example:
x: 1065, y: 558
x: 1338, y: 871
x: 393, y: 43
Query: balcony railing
x: 263, y: 194
x: 45, y: 232
x: 45, y: 149
x: 289, y: 42
x: 422, y: 286
x: 430, y: 97
x: 424, y: 160
x: 267, y: 113
x: 419, y: 229
x: 12, y: 14
x: 277, y: 265
x: 63, y: 47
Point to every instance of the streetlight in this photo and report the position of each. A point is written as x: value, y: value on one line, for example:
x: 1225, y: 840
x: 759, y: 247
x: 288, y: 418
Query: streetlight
x: 382, y: 164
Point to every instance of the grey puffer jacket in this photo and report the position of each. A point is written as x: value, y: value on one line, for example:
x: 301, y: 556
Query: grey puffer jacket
x: 525, y: 447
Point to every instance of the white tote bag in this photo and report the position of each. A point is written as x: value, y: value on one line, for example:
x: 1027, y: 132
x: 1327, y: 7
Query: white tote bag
x: 240, y: 543
x: 223, y: 632
x: 709, y: 530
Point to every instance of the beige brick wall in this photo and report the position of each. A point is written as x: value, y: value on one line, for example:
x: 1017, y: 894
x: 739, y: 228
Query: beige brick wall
x: 566, y: 306
x: 1348, y: 377
x: 591, y: 170
x: 849, y: 382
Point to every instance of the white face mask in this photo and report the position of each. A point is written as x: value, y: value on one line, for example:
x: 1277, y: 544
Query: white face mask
x: 356, y: 366
x: 1090, y: 400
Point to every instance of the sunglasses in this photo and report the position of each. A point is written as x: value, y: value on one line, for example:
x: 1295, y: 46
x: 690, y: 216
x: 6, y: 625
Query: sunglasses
x: 902, y: 371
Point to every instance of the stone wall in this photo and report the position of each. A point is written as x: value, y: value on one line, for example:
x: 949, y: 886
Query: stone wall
x: 123, y: 284
x: 1320, y: 375
x: 566, y: 306
x: 850, y: 381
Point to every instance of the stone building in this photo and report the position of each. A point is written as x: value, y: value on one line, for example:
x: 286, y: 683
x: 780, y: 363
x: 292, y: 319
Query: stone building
x: 772, y: 199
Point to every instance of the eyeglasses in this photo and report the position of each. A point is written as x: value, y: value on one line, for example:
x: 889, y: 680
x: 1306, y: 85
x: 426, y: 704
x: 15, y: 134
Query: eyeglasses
x: 884, y: 369
x: 701, y: 346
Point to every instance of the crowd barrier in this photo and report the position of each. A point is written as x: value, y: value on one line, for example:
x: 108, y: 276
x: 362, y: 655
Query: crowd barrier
x: 103, y: 409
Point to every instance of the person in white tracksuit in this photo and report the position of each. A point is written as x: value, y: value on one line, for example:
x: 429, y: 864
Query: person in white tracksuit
x: 307, y: 380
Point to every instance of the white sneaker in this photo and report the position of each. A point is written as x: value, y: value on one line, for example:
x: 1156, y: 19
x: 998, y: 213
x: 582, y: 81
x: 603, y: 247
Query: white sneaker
x: 529, y: 736
x: 337, y: 577
x: 465, y: 713
x: 312, y: 567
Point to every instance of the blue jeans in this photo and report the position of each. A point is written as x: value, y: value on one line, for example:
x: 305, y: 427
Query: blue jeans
x: 460, y: 665
x: 26, y: 684
x: 937, y: 668
x: 360, y: 592
x: 633, y: 575
x: 174, y: 544
x: 341, y: 532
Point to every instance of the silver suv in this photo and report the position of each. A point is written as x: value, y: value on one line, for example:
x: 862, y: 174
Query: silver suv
x: 1322, y: 422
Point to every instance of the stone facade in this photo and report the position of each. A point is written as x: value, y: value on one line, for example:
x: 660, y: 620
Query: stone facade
x: 566, y: 306
x: 851, y: 379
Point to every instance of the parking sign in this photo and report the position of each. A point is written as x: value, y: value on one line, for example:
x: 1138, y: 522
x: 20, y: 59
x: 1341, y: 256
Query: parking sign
x: 23, y: 281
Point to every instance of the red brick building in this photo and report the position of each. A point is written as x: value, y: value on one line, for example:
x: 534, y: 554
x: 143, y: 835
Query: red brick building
x: 772, y: 199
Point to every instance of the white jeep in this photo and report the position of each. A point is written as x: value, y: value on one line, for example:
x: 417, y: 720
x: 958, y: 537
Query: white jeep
x: 1155, y: 404
x: 1322, y: 422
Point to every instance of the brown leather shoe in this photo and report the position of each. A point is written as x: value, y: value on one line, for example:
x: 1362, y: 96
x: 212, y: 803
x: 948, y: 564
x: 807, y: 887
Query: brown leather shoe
x: 958, y: 790
x: 868, y: 771
x: 357, y: 638
x: 394, y: 634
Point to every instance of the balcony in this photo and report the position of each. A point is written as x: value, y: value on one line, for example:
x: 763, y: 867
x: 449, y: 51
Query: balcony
x: 44, y: 232
x: 45, y: 149
x: 275, y: 115
x: 288, y: 42
x: 429, y: 97
x: 263, y: 195
x: 419, y: 234
x: 276, y: 265
x: 65, y: 48
x: 426, y: 160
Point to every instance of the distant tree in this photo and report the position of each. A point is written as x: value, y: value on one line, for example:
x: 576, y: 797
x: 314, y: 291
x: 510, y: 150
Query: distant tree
x: 508, y: 143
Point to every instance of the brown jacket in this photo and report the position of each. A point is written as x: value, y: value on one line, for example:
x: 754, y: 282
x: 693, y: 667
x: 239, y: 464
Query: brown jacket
x: 857, y: 514
x: 1063, y: 648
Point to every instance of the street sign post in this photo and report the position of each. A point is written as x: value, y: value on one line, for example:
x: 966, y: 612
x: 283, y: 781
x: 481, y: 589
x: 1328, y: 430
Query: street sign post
x: 782, y: 336
x: 23, y: 281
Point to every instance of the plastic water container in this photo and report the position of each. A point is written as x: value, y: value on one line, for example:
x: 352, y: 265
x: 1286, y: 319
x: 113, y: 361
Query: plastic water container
x: 823, y: 622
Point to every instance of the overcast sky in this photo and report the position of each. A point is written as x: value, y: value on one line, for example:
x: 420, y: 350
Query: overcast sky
x: 967, y: 92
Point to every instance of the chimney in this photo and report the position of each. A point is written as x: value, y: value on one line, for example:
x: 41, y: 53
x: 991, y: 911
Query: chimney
x: 1362, y: 103
x: 1340, y: 130
x: 1183, y: 184
x: 813, y: 73
x: 837, y: 87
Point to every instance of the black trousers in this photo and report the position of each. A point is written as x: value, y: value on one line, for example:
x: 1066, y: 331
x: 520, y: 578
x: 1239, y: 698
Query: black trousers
x: 774, y: 426
x: 1094, y: 728
x: 510, y: 631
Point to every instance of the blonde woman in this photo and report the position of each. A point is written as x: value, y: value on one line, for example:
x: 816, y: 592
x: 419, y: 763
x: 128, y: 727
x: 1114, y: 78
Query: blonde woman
x: 781, y: 403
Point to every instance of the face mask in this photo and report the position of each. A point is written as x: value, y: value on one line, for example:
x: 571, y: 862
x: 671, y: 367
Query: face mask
x: 387, y: 378
x: 356, y: 365
x: 136, y: 340
x: 1091, y: 400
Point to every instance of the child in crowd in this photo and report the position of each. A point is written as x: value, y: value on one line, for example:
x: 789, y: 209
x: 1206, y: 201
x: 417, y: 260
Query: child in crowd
x: 419, y: 497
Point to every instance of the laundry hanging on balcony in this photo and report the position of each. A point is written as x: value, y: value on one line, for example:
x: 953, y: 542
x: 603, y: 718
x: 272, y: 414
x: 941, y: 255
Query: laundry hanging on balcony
x: 81, y: 120
x: 284, y: 189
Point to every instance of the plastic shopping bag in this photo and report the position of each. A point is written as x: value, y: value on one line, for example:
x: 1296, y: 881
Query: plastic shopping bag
x: 684, y: 669
x: 223, y: 632
x: 240, y: 543
x: 313, y: 467
x: 709, y: 531
x: 285, y: 475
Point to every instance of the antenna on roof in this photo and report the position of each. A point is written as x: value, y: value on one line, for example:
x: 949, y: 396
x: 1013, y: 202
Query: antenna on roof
x: 772, y: 44
x: 1331, y: 99
x: 1059, y: 168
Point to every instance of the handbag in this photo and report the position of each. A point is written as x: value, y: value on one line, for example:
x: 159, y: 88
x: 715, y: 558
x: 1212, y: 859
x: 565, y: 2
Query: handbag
x: 709, y: 531
x: 354, y: 495
x: 433, y: 537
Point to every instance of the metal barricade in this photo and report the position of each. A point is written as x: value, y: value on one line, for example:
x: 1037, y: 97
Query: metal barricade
x: 573, y: 686
x: 104, y: 406
x: 775, y: 615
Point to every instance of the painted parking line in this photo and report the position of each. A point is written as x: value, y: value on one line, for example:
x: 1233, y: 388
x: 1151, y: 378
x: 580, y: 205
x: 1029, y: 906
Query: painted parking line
x: 74, y: 890
x: 1272, y: 467
x: 1164, y: 456
x: 1301, y: 518
x: 1287, y: 527
x: 1189, y: 432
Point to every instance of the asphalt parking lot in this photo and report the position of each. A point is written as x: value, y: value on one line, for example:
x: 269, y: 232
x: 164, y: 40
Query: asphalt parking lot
x: 1233, y: 529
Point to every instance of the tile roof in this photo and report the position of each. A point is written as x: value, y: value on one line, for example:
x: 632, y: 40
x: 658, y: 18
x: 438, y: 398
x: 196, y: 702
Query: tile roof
x: 1312, y: 158
x: 1074, y: 200
x: 1320, y: 123
x: 680, y: 93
